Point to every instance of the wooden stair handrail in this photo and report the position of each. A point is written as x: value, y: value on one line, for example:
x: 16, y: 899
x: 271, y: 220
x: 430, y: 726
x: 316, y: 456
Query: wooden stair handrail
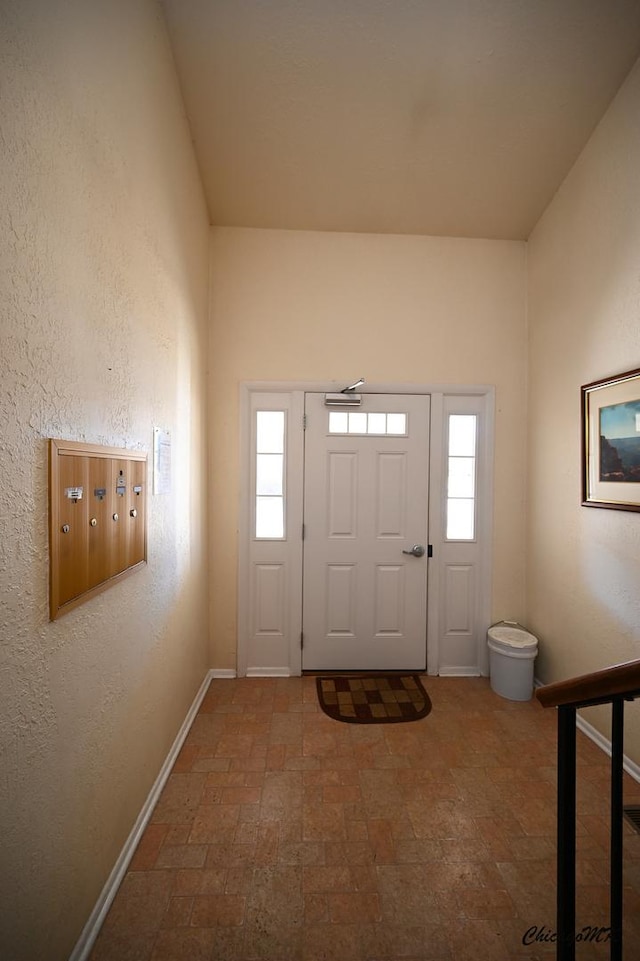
x: 598, y: 687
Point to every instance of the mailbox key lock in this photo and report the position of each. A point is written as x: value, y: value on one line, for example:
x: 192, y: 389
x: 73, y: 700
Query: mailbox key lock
x: 115, y: 517
x: 65, y: 528
x: 93, y: 522
x: 133, y: 512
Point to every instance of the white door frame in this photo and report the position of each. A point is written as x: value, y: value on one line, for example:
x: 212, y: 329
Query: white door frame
x: 268, y: 641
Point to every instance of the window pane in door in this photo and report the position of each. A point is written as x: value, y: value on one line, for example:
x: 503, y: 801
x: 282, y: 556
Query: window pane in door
x: 460, y: 519
x: 338, y: 422
x: 396, y: 423
x: 461, y: 477
x: 270, y: 432
x: 462, y: 435
x: 269, y: 473
x: 269, y: 517
x: 377, y: 424
x: 357, y: 423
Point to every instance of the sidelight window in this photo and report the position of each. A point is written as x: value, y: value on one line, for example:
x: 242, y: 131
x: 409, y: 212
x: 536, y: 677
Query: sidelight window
x: 461, y: 477
x: 269, y: 467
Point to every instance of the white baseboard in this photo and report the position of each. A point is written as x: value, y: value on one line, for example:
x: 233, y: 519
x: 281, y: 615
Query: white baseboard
x: 96, y: 918
x: 222, y: 672
x: 459, y: 672
x: 632, y: 769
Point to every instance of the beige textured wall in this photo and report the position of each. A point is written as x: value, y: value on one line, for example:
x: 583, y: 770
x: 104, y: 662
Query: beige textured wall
x: 290, y: 305
x: 104, y: 271
x: 584, y: 315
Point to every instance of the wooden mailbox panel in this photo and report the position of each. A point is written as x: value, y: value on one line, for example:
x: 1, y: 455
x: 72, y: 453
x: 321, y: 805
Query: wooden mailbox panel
x: 97, y: 519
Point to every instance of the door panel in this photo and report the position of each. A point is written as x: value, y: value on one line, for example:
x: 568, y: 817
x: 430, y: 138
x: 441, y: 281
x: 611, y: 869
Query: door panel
x: 340, y: 595
x: 459, y: 599
x: 389, y: 598
x: 269, y: 599
x: 391, y: 509
x: 341, y: 494
x: 365, y: 502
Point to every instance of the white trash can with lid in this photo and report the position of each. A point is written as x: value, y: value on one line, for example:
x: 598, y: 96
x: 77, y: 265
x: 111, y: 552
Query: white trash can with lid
x: 512, y: 651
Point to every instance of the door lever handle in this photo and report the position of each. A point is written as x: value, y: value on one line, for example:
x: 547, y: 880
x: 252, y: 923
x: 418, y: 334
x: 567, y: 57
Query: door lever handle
x: 416, y: 551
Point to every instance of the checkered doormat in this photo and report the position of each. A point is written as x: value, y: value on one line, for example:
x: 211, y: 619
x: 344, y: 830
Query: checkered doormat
x: 373, y: 698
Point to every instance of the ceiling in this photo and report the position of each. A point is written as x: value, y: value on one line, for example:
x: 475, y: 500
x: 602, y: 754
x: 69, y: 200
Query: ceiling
x: 445, y: 117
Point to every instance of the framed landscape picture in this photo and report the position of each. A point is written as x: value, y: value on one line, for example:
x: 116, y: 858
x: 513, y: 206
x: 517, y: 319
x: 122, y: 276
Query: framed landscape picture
x: 611, y: 442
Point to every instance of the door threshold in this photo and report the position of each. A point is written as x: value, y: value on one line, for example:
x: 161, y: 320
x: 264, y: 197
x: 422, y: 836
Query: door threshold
x: 356, y: 671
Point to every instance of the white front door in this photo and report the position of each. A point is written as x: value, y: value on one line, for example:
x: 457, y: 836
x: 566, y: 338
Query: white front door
x: 365, y: 509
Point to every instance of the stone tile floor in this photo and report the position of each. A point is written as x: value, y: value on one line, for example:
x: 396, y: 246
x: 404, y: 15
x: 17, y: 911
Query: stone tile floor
x: 284, y: 835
